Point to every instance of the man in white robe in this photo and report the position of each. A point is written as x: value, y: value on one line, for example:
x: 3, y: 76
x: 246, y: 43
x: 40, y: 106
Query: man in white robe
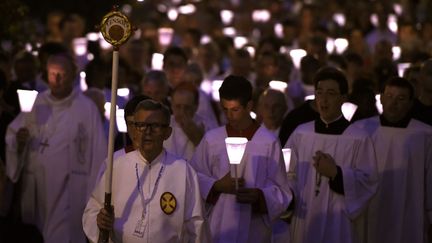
x: 271, y: 109
x: 54, y: 153
x: 155, y: 195
x: 187, y: 127
x: 206, y: 108
x: 401, y: 210
x: 332, y: 168
x: 246, y: 214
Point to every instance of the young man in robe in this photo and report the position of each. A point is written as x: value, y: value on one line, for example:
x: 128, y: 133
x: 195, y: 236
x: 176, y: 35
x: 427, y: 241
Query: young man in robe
x: 155, y: 195
x: 332, y: 169
x: 54, y: 153
x: 246, y: 214
x: 401, y: 210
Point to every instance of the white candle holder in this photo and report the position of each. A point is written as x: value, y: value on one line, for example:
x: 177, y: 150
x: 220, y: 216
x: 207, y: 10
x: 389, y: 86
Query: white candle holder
x: 26, y: 99
x: 287, y: 158
x: 348, y: 110
x: 235, y: 148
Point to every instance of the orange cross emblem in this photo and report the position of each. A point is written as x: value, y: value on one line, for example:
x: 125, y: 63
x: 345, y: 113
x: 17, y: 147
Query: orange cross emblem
x: 168, y: 203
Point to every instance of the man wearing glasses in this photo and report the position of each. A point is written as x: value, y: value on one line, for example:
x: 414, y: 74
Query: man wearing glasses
x: 155, y: 195
x: 332, y: 169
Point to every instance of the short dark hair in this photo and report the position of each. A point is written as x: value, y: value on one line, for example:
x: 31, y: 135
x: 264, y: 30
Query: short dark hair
x: 401, y: 83
x: 236, y: 88
x: 332, y: 73
x: 131, y: 105
x: 151, y: 105
x: 175, y: 51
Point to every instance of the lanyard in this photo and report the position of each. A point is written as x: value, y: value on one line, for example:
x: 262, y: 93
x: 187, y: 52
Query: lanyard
x: 141, y: 191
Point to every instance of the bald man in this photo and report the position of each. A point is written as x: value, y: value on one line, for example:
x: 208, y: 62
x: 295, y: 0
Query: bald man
x: 271, y: 110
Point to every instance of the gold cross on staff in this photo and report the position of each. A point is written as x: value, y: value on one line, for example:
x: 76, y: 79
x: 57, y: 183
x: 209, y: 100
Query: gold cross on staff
x: 43, y: 144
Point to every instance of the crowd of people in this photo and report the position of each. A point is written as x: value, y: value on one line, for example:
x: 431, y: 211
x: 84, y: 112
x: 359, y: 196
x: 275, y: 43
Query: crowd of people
x: 279, y: 73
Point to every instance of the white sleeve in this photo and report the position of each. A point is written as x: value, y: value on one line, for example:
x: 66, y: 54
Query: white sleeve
x: 197, y: 228
x: 14, y: 163
x: 200, y: 162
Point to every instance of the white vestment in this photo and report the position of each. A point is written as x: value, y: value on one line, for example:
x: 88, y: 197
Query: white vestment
x: 178, y: 143
x: 205, y: 110
x: 261, y: 167
x: 60, y: 164
x: 329, y: 216
x: 404, y: 157
x: 166, y: 174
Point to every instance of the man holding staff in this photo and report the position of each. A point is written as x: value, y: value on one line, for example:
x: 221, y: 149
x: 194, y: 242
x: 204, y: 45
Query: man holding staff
x: 155, y: 194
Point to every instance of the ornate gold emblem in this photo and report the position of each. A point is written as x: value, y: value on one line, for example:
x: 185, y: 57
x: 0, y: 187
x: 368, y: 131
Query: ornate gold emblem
x: 115, y: 28
x: 168, y: 203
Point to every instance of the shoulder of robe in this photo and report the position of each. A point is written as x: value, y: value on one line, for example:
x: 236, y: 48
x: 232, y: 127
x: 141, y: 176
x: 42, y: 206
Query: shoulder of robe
x: 176, y: 161
x: 357, y: 130
x: 215, y: 133
x: 416, y: 124
x: 263, y: 135
x: 305, y: 127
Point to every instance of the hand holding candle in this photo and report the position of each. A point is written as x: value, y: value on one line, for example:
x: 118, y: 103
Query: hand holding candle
x: 235, y: 148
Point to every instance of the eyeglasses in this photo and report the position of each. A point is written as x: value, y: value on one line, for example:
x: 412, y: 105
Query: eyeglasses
x: 154, y: 127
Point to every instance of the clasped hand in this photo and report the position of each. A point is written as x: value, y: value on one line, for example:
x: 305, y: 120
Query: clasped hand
x: 22, y: 136
x: 325, y: 164
x: 243, y: 195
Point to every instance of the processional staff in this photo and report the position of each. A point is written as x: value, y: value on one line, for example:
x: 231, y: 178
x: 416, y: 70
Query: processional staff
x: 116, y: 30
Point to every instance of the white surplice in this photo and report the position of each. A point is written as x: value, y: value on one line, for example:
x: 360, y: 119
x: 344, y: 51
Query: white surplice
x: 206, y: 111
x: 178, y: 143
x: 397, y: 213
x: 261, y: 167
x: 59, y: 167
x: 185, y: 224
x: 329, y: 216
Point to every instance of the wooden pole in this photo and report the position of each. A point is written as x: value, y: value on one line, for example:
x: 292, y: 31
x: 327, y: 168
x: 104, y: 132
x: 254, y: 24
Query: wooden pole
x: 104, y: 235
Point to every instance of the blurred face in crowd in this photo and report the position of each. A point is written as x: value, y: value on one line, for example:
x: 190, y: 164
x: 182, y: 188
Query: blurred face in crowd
x: 152, y: 129
x: 183, y: 105
x: 155, y: 90
x: 329, y: 99
x: 174, y: 67
x: 272, y: 108
x: 132, y: 131
x: 266, y: 67
x: 60, y: 76
x: 241, y: 66
x: 236, y: 114
x: 396, y: 103
x: 426, y: 76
